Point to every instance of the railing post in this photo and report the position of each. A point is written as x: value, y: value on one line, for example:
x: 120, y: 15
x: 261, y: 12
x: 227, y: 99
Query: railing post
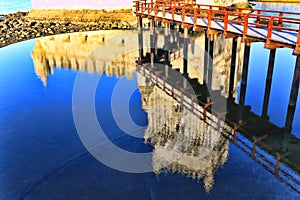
x: 205, y: 111
x: 280, y: 20
x: 297, y: 47
x: 209, y: 17
x: 239, y: 18
x: 183, y: 16
x: 195, y: 18
x: 277, y: 167
x: 270, y: 29
x: 142, y: 8
x: 137, y: 5
x: 278, y: 160
x: 246, y: 26
x: 258, y: 18
x: 235, y: 136
x: 173, y: 11
x: 225, y: 22
x: 255, y: 140
x: 164, y: 12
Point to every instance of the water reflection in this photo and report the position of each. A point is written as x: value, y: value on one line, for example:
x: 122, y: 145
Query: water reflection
x: 288, y: 7
x: 174, y: 131
x: 88, y: 52
x: 81, y: 51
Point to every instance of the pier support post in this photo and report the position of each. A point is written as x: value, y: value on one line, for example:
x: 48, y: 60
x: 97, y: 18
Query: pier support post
x: 268, y: 83
x: 245, y: 74
x: 210, y: 61
x: 152, y: 42
x: 140, y: 36
x: 244, y: 80
x: 293, y: 96
x: 232, y: 67
x: 205, y: 58
x: 167, y: 44
x: 185, y: 52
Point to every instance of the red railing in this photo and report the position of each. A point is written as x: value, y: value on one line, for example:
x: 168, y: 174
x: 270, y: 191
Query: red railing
x: 268, y: 19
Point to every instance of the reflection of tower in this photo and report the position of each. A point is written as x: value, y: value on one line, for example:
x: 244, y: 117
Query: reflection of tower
x: 41, y: 65
x: 183, y: 142
x: 89, y: 52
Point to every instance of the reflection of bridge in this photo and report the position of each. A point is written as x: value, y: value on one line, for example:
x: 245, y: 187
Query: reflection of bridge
x: 278, y: 141
x: 93, y: 58
x: 213, y: 122
x: 232, y: 23
x: 182, y: 141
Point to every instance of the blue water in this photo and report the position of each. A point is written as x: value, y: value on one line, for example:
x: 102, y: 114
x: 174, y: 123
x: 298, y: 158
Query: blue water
x: 12, y: 6
x: 281, y: 84
x: 42, y: 157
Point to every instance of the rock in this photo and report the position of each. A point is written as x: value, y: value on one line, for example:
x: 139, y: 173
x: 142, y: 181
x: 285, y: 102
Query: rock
x: 33, y: 23
x: 52, y: 23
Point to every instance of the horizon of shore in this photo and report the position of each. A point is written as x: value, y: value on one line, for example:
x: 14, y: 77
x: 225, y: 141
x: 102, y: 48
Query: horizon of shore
x: 276, y: 1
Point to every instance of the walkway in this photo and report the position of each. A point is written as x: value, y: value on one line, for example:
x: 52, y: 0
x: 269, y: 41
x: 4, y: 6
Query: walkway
x: 275, y: 28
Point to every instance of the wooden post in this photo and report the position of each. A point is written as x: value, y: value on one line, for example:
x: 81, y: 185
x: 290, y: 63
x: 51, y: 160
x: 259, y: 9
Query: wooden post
x: 245, y: 74
x: 137, y: 5
x: 232, y: 67
x: 152, y: 42
x: 278, y: 161
x: 240, y: 16
x: 258, y: 18
x: 268, y: 82
x: 167, y: 44
x: 280, y: 20
x: 297, y: 48
x: 225, y: 22
x: 206, y: 57
x: 277, y: 167
x: 269, y: 34
x: 235, y: 136
x: 173, y: 11
x: 246, y: 26
x: 140, y: 38
x: 255, y: 140
x: 210, y: 61
x: 195, y: 18
x: 207, y: 105
x: 293, y: 96
x: 209, y: 17
x: 185, y: 51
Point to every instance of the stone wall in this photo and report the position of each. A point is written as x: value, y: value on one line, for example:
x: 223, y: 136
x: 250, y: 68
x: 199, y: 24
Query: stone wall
x: 123, y: 16
x: 76, y: 4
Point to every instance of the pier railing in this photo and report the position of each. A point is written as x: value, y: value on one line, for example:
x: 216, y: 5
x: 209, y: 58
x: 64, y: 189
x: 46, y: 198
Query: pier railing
x: 288, y: 22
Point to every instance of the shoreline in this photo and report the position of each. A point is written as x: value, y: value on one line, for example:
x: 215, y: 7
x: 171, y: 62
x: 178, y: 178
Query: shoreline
x: 21, y: 26
x: 275, y: 1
